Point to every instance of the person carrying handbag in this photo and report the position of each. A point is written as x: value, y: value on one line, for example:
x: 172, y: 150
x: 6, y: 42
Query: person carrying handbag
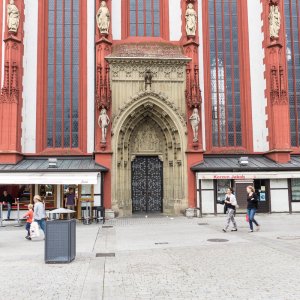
x: 231, y: 204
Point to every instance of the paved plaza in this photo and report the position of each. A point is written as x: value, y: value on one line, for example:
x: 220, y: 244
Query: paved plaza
x: 159, y: 258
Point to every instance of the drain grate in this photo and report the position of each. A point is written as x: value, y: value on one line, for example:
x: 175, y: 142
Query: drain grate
x: 289, y: 238
x: 107, y: 226
x: 162, y: 243
x: 217, y: 240
x: 202, y: 223
x: 106, y: 254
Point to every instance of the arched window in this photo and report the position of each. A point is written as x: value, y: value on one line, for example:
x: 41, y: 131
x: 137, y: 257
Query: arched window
x: 292, y: 21
x: 144, y: 18
x: 62, y: 77
x: 224, y: 66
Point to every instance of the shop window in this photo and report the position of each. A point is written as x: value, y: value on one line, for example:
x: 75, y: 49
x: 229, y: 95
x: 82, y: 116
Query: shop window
x: 22, y: 192
x: 225, y: 70
x: 222, y: 186
x: 295, y: 186
x: 86, y: 192
x: 48, y: 194
x: 292, y: 22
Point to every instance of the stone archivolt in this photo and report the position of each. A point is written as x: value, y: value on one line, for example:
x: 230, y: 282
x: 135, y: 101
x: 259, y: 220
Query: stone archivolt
x: 149, y: 95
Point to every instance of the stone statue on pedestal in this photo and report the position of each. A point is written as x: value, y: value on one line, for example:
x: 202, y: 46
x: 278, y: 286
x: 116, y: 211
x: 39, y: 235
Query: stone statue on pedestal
x: 103, y: 18
x: 148, y: 80
x: 103, y: 123
x: 191, y: 20
x: 195, y: 120
x: 13, y: 17
x: 274, y: 21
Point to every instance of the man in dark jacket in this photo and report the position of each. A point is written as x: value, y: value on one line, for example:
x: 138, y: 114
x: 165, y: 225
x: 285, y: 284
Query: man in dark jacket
x: 8, y: 200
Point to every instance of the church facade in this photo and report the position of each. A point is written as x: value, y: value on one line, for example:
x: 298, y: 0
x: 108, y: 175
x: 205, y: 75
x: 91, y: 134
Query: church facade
x: 151, y: 105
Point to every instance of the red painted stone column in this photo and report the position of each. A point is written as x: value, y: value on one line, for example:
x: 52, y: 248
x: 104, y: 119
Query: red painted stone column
x: 11, y: 91
x: 190, y: 43
x: 103, y: 153
x: 276, y: 77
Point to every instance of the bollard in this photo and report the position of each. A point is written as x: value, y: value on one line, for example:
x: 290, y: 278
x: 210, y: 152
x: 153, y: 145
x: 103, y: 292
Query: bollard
x: 1, y: 215
x: 18, y: 214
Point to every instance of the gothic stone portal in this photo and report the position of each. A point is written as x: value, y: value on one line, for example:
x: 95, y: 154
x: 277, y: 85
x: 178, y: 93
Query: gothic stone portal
x: 149, y: 164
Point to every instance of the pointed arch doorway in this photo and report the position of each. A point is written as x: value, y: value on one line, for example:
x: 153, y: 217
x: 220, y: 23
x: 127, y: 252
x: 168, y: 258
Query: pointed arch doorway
x: 149, y: 161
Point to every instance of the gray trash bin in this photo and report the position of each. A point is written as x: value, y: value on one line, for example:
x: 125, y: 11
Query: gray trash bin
x: 60, y: 243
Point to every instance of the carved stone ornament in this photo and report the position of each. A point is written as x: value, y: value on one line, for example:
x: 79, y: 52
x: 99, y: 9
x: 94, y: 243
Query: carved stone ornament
x: 145, y: 94
x: 13, y: 17
x: 103, y: 122
x: 274, y: 21
x: 191, y: 20
x: 195, y: 120
x: 103, y: 18
x: 146, y: 140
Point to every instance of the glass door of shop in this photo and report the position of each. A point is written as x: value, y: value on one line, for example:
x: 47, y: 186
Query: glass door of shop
x: 262, y: 189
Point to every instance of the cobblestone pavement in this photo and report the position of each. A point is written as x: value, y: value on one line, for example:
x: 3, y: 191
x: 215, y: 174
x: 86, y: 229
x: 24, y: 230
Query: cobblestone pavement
x: 159, y: 257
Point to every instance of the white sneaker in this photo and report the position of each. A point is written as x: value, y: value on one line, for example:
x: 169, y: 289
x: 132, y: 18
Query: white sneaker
x: 250, y: 231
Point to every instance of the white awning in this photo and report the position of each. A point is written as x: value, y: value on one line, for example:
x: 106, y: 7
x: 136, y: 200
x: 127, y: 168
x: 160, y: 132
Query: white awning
x: 250, y: 175
x: 49, y: 178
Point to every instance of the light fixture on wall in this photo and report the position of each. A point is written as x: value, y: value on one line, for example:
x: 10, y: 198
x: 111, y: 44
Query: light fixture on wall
x: 243, y: 161
x: 52, y: 162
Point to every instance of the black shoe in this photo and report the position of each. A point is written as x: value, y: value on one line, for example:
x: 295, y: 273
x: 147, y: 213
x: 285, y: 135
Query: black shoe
x: 28, y: 237
x: 224, y: 230
x: 234, y: 229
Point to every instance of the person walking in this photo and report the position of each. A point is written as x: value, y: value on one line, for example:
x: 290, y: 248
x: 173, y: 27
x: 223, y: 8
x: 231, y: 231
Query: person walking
x: 231, y: 203
x: 39, y: 215
x: 252, y: 206
x: 8, y: 200
x: 29, y: 219
x: 71, y: 201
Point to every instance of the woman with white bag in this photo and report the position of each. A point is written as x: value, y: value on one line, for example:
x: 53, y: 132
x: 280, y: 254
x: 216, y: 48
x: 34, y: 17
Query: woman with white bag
x: 39, y: 212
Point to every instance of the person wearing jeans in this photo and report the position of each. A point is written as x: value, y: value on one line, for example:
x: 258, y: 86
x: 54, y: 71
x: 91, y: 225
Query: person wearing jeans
x: 39, y: 212
x: 252, y: 207
x: 7, y: 199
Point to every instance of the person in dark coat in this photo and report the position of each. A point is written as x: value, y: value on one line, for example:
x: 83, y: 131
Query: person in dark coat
x: 252, y: 206
x: 7, y: 200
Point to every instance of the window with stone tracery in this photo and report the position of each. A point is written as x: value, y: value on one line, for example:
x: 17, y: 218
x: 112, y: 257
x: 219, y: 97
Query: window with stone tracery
x: 292, y: 23
x: 225, y: 73
x: 63, y: 74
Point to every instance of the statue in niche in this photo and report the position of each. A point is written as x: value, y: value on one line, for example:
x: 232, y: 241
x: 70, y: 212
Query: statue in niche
x: 274, y: 21
x: 13, y: 17
x: 103, y: 18
x: 191, y: 20
x: 103, y: 123
x: 195, y: 120
x: 148, y: 80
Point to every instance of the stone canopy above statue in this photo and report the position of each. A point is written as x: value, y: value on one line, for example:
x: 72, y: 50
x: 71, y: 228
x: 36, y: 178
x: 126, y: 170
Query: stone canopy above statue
x: 148, y: 51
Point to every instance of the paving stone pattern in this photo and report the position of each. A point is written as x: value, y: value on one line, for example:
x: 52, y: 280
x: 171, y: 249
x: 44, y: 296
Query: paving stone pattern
x: 159, y: 257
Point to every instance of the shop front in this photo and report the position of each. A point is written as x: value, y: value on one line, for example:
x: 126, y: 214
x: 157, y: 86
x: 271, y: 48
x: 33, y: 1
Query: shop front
x: 277, y: 185
x: 81, y: 177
